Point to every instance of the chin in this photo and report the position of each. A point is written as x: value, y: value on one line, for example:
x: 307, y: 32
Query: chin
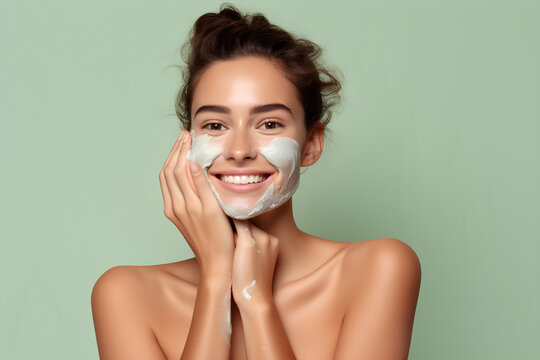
x: 247, y: 201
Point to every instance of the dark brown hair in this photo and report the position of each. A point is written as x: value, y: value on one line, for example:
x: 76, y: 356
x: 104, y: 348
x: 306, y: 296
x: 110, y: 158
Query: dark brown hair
x: 230, y: 34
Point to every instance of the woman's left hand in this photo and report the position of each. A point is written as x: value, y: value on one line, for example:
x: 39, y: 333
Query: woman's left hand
x: 254, y: 261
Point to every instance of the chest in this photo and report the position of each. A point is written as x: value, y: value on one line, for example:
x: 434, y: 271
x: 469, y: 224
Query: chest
x: 311, y: 311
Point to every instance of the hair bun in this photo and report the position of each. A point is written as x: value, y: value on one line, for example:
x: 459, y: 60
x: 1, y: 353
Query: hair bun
x: 230, y: 12
x: 211, y: 22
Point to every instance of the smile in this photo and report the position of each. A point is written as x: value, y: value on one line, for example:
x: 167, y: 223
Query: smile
x: 242, y: 179
x: 244, y: 183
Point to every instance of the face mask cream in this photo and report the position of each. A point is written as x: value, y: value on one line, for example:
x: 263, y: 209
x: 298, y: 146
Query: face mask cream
x: 283, y: 153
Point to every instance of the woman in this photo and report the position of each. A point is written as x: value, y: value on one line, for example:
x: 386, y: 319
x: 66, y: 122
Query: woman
x: 255, y: 103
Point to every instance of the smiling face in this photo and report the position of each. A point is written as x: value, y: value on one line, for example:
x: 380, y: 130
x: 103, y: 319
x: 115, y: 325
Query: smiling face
x: 249, y: 135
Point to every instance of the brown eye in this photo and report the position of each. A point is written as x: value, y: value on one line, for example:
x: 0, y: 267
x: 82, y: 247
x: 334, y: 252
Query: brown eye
x: 213, y: 126
x: 271, y: 125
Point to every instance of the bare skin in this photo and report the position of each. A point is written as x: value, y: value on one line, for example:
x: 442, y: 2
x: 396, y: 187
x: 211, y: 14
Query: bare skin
x: 313, y: 299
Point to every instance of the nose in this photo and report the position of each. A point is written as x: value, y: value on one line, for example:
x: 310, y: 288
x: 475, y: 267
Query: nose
x: 240, y: 146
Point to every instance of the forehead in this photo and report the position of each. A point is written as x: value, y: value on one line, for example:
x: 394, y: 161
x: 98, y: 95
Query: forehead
x: 245, y: 82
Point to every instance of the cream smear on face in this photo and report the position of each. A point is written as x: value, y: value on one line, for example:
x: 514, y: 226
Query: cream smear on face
x: 283, y: 153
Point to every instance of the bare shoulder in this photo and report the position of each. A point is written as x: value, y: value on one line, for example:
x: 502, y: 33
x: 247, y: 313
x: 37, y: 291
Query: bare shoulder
x: 135, y: 278
x: 121, y: 316
x: 140, y: 282
x: 132, y: 304
x: 381, y: 284
x: 119, y: 282
x: 363, y: 258
x: 385, y: 262
x: 387, y: 252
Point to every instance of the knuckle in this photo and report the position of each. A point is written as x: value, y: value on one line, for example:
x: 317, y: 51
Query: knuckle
x: 193, y: 209
x: 169, y: 214
x: 162, y: 180
x: 264, y: 240
x: 178, y: 210
x: 177, y: 172
x: 167, y: 174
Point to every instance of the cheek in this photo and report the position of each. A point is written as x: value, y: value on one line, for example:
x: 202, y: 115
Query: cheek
x: 284, y: 154
x: 204, y: 150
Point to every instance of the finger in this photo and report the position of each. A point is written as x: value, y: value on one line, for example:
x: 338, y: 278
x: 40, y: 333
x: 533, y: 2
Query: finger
x: 261, y: 237
x: 175, y: 146
x: 190, y: 179
x: 182, y: 173
x: 244, y: 234
x: 163, y: 182
x: 208, y: 199
x: 172, y: 186
x: 188, y: 170
x: 166, y: 194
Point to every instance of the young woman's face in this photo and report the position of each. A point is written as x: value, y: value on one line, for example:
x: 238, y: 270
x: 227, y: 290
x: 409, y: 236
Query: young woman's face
x: 249, y: 134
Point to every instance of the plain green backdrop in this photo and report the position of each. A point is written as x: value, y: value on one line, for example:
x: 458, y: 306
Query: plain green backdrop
x: 436, y: 143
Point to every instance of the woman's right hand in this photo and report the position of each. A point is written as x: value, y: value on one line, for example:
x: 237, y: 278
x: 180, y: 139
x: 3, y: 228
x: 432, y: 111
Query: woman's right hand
x: 191, y: 205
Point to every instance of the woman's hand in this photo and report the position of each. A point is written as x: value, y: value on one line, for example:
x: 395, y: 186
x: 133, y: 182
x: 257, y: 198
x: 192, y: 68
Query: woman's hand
x: 193, y: 208
x: 253, y: 265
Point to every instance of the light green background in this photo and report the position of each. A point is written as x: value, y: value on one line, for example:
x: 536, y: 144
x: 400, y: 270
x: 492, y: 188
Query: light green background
x: 437, y: 143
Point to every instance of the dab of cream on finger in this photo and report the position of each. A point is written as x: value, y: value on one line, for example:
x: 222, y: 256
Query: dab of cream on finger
x: 245, y: 290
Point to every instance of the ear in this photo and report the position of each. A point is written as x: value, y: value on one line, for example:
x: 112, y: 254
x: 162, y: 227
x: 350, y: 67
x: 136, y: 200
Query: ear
x: 314, y: 145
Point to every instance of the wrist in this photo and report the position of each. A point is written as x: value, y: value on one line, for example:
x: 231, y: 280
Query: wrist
x: 255, y: 305
x: 213, y: 288
x: 216, y: 273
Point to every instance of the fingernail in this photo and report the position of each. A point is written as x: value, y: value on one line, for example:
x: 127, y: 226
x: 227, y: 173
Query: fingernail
x: 194, y: 168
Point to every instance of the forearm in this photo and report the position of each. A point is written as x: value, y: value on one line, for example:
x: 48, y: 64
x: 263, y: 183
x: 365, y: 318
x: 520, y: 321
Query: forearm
x: 210, y: 330
x: 264, y: 334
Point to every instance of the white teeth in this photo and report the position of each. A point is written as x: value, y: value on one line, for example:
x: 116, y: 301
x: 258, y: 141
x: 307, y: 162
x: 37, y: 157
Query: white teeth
x: 243, y: 179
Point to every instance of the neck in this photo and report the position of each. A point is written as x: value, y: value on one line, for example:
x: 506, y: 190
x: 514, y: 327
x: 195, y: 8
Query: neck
x: 278, y: 222
x: 293, y: 242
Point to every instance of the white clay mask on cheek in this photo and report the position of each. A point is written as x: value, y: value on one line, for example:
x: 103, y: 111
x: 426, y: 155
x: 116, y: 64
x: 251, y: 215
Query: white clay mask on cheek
x: 204, y: 150
x: 283, y: 153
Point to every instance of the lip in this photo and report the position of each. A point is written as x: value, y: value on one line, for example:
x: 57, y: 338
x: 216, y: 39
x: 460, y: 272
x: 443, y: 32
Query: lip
x: 240, y: 171
x: 244, y: 188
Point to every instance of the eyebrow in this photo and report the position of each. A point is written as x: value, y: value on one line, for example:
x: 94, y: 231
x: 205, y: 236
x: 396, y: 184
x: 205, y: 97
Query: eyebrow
x: 255, y: 110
